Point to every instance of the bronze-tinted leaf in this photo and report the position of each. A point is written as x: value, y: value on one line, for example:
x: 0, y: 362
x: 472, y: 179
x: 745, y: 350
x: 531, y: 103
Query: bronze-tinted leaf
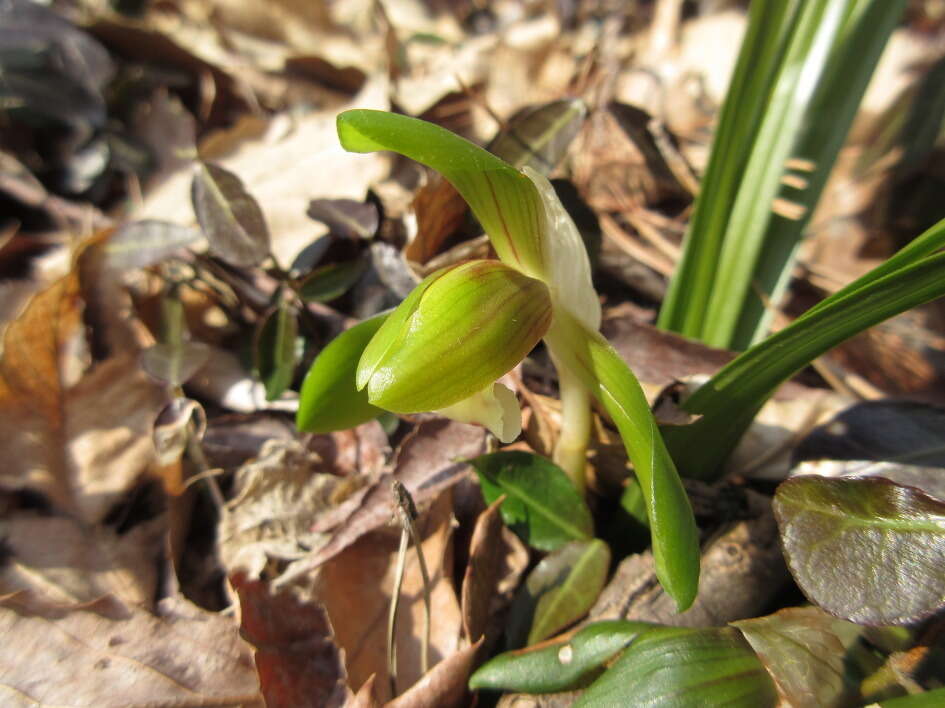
x: 144, y: 243
x: 867, y: 550
x: 229, y: 216
x: 539, y: 136
x: 275, y: 349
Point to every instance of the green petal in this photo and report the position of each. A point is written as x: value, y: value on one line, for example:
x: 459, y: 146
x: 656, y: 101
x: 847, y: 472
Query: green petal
x: 461, y: 329
x: 503, y: 199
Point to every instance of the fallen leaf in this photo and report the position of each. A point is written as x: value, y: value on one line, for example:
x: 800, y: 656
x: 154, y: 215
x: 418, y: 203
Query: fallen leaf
x: 64, y: 561
x: 76, y: 431
x: 355, y: 588
x: 443, y: 686
x: 481, y: 576
x: 440, y: 210
x: 105, y: 655
x: 298, y: 662
x: 426, y: 465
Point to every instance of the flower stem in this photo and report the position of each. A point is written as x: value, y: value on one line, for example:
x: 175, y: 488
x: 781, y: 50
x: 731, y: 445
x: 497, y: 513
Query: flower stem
x: 570, y: 452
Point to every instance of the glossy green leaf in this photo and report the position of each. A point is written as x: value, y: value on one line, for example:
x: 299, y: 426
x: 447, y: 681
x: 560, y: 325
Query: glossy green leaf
x: 729, y: 400
x: 867, y: 550
x: 564, y: 585
x: 331, y: 281
x: 679, y: 668
x: 929, y: 699
x: 503, y: 199
x: 461, y: 329
x: 541, y: 505
x: 673, y: 527
x: 329, y: 399
x: 562, y: 666
x: 229, y: 216
x: 539, y: 136
x: 276, y: 353
x: 805, y: 650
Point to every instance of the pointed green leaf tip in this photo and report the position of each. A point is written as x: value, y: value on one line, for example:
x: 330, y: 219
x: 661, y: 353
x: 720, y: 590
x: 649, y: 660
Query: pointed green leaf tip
x: 502, y: 198
x: 459, y: 330
x: 329, y: 399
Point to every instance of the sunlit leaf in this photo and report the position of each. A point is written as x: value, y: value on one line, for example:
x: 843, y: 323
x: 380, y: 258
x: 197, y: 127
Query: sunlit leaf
x: 541, y: 506
x: 562, y: 666
x: 560, y: 590
x: 229, y: 216
x: 867, y: 550
x: 144, y: 243
x: 805, y: 649
x: 539, y: 136
x: 346, y: 218
x: 275, y: 349
x: 681, y: 667
x: 503, y: 199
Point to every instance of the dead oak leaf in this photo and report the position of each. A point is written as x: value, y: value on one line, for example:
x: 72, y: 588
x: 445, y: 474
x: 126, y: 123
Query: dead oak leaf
x: 105, y: 655
x: 72, y: 429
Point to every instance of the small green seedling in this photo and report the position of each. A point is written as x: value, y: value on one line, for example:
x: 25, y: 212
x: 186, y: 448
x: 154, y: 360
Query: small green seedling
x: 465, y: 326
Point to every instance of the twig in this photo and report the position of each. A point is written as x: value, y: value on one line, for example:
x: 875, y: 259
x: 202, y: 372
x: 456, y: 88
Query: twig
x: 407, y: 514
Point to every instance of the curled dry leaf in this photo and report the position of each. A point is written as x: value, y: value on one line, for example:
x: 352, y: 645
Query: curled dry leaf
x: 355, y: 588
x: 443, y: 686
x: 278, y: 498
x: 74, y: 430
x: 298, y: 662
x: 104, y: 654
x: 426, y: 465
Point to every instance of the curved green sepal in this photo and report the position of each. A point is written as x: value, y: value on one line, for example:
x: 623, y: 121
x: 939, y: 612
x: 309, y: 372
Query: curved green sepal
x: 562, y: 666
x: 503, y: 199
x: 675, y: 536
x: 329, y: 399
x: 461, y: 329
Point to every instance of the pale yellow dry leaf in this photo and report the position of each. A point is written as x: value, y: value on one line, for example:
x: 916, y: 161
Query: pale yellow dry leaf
x: 72, y: 429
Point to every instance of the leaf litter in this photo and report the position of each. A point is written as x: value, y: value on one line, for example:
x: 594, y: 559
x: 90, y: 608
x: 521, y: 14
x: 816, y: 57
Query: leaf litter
x: 284, y: 541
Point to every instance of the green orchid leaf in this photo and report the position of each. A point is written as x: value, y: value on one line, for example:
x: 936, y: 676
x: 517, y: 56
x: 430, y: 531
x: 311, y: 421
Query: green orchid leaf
x: 541, y: 506
x: 461, y: 329
x: 681, y: 667
x: 559, y: 591
x: 275, y: 353
x: 503, y: 199
x: 929, y: 699
x: 329, y: 399
x: 675, y: 536
x: 889, y: 537
x: 562, y: 666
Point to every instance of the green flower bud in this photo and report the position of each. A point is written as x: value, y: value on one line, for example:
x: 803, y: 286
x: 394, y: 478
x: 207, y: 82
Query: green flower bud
x: 459, y: 330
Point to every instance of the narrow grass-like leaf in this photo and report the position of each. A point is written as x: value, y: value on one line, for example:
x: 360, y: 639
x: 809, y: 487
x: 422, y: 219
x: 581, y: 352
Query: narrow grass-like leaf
x: 229, y: 216
x: 275, y: 350
x: 867, y: 550
x: 541, y: 506
x: 681, y: 667
x: 329, y: 399
x: 539, y: 136
x: 729, y: 400
x: 562, y: 666
x: 675, y: 536
x: 564, y: 586
x: 503, y: 199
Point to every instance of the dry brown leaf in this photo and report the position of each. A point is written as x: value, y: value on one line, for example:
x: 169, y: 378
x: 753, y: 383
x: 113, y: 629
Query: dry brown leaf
x: 429, y: 461
x: 298, y: 663
x: 77, y: 431
x: 278, y: 498
x: 294, y: 161
x: 365, y: 696
x: 443, y: 686
x: 355, y: 588
x: 68, y: 562
x: 440, y: 210
x: 105, y: 655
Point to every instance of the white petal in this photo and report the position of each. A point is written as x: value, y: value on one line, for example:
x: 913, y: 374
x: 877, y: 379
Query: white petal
x: 495, y: 407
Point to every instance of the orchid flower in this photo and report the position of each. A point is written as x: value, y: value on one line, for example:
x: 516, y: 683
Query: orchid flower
x: 463, y: 327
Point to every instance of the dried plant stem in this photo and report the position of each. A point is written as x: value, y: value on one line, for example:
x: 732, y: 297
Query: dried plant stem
x: 407, y: 514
